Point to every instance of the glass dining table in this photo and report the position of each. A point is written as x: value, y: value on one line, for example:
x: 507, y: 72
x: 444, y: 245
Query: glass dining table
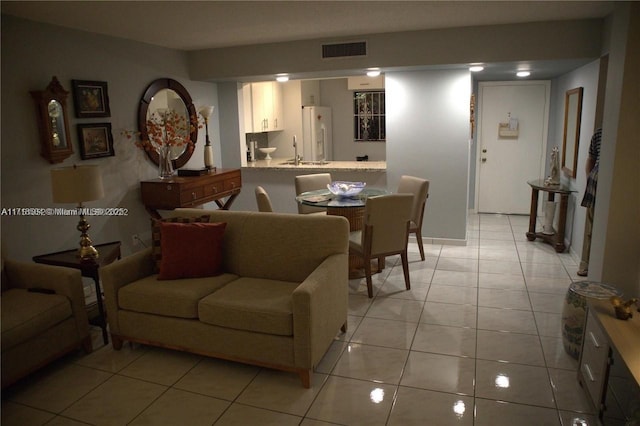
x: 351, y: 208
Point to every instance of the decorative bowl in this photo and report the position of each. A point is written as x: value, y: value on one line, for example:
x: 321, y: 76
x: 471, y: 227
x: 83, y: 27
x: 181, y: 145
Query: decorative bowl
x: 346, y: 189
x: 267, y: 151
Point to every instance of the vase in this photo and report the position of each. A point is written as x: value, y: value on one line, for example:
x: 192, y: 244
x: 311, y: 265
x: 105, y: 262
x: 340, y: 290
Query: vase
x: 165, y: 166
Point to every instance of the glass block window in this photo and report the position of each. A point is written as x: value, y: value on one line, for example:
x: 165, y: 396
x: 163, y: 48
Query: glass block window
x: 369, y: 117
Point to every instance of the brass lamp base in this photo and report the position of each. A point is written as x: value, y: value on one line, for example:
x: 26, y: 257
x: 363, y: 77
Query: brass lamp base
x: 86, y: 251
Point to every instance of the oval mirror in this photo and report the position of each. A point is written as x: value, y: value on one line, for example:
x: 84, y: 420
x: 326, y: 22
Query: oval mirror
x: 168, y: 96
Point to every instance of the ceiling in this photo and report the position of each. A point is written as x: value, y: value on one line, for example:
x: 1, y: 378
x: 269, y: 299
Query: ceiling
x: 191, y: 25
x: 194, y: 25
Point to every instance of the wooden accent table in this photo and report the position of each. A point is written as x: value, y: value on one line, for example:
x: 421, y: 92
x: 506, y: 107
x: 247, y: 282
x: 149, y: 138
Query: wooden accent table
x: 108, y: 252
x: 557, y: 239
x: 191, y: 191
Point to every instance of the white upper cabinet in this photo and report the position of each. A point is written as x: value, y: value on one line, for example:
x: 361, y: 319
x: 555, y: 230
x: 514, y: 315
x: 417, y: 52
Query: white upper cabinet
x: 366, y: 83
x: 264, y: 112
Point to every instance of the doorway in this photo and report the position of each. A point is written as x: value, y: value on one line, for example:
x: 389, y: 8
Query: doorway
x: 512, y: 138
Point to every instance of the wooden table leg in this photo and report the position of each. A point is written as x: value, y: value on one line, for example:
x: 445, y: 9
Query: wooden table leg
x: 562, y: 219
x: 226, y: 205
x: 533, y: 213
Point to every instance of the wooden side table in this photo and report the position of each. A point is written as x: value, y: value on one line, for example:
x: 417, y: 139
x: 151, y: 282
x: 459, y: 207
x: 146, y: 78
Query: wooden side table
x: 109, y: 252
x: 557, y: 239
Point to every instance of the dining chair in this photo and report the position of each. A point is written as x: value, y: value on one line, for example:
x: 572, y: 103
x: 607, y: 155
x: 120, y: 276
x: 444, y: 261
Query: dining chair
x: 420, y: 190
x: 311, y: 182
x: 385, y: 232
x: 263, y: 200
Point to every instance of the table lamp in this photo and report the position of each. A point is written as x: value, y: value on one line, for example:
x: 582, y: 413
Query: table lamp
x: 78, y: 184
x: 206, y: 112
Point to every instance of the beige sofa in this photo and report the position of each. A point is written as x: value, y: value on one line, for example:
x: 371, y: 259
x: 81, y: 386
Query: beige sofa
x: 279, y: 303
x: 38, y: 327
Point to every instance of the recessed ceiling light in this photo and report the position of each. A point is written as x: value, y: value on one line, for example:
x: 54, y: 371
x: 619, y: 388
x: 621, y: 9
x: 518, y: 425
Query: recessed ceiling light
x: 282, y: 78
x: 373, y: 72
x: 476, y: 68
x: 523, y: 73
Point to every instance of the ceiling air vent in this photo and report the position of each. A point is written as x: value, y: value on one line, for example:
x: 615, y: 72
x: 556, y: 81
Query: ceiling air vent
x: 343, y: 50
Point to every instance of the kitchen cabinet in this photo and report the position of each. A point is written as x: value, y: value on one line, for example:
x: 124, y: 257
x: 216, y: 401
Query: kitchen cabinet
x: 365, y: 83
x: 609, y: 367
x: 265, y: 112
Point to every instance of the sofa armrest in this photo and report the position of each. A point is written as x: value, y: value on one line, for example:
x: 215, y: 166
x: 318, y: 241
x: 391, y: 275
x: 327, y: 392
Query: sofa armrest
x: 320, y: 306
x: 64, y: 281
x: 120, y: 273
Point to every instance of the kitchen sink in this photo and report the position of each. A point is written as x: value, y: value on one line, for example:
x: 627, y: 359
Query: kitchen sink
x: 315, y: 163
x: 306, y: 163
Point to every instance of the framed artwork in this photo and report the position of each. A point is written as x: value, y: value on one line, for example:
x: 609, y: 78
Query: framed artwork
x: 95, y: 140
x: 90, y: 99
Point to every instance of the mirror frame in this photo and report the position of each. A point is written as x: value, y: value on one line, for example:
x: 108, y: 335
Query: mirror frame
x: 571, y: 135
x: 149, y: 93
x: 48, y: 150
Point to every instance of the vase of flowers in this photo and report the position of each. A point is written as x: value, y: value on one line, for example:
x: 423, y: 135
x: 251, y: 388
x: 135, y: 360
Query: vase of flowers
x: 167, y: 131
x: 165, y: 165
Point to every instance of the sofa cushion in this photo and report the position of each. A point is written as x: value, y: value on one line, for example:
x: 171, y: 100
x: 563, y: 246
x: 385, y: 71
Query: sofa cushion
x: 191, y: 250
x: 252, y: 304
x: 26, y: 314
x: 170, y: 298
x: 156, y: 248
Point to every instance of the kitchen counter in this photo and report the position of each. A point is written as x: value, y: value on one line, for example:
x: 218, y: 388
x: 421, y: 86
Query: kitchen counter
x: 359, y: 166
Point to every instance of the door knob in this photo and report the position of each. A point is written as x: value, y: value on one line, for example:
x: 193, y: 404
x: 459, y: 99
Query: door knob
x: 484, y: 151
x: 484, y: 160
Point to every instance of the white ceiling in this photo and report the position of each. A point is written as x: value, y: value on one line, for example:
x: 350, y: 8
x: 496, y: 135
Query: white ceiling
x: 191, y: 25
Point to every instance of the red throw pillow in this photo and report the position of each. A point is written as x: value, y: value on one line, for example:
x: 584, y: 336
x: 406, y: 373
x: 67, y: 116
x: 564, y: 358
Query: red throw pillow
x: 156, y: 248
x: 191, y: 250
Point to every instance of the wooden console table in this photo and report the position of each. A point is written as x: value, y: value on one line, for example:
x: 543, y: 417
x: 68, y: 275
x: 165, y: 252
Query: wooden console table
x: 557, y: 239
x: 191, y: 191
x: 108, y: 253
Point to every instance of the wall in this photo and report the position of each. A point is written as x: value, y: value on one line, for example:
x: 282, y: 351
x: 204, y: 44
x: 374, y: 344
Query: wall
x: 428, y: 137
x: 587, y: 78
x: 615, y: 248
x: 31, y: 54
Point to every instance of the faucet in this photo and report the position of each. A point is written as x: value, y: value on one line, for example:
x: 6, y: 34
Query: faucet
x: 296, y: 158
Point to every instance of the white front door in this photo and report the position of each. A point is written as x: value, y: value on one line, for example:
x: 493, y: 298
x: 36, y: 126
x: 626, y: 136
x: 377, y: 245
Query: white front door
x: 507, y: 160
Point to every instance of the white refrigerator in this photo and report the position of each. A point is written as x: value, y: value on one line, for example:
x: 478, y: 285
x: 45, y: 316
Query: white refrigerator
x: 316, y: 133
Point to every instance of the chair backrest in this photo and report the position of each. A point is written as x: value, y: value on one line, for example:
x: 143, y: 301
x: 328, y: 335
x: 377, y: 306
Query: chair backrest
x: 386, y: 223
x: 311, y: 182
x: 420, y: 190
x: 263, y: 200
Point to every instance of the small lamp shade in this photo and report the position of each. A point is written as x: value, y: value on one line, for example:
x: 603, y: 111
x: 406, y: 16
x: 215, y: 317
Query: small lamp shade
x: 206, y: 111
x: 76, y: 184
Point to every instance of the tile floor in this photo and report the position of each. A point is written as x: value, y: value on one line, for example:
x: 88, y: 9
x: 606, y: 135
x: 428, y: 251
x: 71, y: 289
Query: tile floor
x: 475, y: 342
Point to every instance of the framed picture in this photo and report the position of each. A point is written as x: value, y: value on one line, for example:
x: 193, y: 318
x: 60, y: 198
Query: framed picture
x: 90, y: 99
x: 95, y: 140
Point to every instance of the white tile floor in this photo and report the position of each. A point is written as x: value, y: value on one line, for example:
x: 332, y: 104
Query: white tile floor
x: 475, y: 342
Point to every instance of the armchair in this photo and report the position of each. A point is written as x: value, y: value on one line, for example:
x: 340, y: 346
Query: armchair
x: 43, y: 317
